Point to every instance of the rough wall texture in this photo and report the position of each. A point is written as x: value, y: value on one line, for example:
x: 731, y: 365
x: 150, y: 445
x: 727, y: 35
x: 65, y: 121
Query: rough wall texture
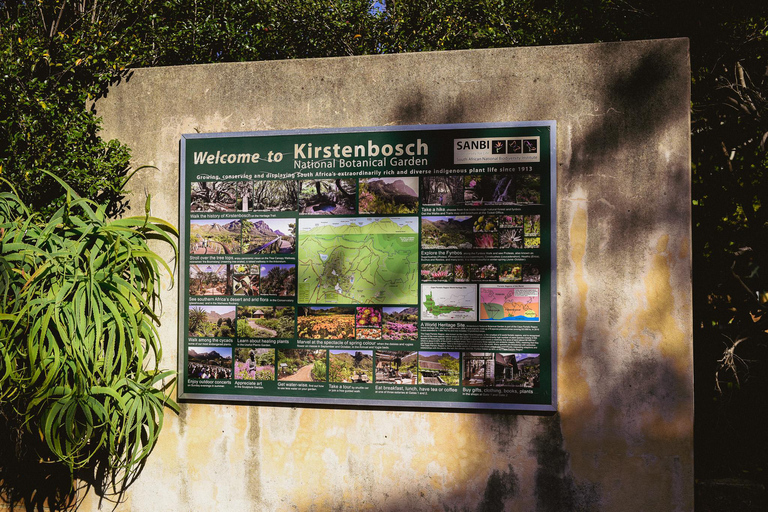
x: 623, y: 437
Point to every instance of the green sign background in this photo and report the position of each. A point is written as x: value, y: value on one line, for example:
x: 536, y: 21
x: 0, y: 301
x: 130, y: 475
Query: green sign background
x: 299, y: 245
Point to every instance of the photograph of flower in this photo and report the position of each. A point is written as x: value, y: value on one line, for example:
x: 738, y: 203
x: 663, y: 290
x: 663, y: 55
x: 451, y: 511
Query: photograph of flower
x: 400, y: 323
x: 441, y: 272
x: 326, y: 323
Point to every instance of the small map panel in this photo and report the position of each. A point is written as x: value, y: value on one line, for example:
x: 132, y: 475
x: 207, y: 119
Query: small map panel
x: 441, y: 302
x: 509, y: 302
x: 363, y: 260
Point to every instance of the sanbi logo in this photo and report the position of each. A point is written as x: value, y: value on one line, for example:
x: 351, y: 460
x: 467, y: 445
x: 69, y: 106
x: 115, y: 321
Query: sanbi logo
x: 499, y: 147
x: 468, y: 144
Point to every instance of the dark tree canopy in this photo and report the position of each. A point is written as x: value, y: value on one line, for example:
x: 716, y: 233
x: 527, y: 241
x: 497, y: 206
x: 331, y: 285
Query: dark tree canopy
x: 57, y: 56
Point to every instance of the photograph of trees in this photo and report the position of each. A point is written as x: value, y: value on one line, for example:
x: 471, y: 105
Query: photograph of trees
x: 275, y: 195
x: 350, y: 366
x: 212, y: 321
x: 278, y: 279
x: 214, y: 196
x: 328, y: 197
x: 442, y: 190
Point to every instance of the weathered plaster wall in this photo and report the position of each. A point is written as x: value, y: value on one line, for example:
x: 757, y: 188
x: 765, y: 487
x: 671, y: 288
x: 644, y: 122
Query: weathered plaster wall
x: 623, y: 437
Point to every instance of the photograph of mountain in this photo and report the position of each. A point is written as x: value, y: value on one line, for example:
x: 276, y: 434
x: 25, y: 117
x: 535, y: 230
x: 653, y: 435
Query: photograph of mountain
x: 264, y: 236
x: 215, y: 236
x: 209, y: 363
x: 446, y: 232
x: 389, y: 195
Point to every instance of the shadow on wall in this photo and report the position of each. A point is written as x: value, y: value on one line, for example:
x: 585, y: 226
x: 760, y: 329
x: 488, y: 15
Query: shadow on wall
x: 641, y: 106
x: 29, y: 483
x: 24, y: 480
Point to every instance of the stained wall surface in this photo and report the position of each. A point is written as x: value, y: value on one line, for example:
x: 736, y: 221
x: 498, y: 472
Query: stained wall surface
x: 623, y: 436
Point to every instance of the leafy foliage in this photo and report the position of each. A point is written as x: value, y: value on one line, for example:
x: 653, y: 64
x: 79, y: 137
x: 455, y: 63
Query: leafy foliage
x: 57, y: 55
x: 79, y: 347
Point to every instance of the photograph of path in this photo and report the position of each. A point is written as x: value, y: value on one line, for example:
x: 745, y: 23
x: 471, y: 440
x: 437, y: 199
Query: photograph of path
x: 210, y: 280
x: 301, y: 365
x: 265, y: 322
x: 268, y: 236
x: 442, y: 190
x: 214, y: 236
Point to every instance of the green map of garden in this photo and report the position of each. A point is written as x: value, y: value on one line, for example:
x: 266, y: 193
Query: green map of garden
x: 366, y: 260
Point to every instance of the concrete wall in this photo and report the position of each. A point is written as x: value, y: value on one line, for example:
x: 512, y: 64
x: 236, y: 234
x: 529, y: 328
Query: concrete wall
x: 623, y: 437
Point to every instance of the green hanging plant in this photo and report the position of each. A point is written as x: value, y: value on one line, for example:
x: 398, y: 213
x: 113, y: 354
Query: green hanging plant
x: 79, y: 347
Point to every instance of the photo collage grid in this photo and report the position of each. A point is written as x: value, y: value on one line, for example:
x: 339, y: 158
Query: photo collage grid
x: 246, y: 276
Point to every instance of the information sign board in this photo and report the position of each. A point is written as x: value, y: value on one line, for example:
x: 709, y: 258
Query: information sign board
x: 407, y: 266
